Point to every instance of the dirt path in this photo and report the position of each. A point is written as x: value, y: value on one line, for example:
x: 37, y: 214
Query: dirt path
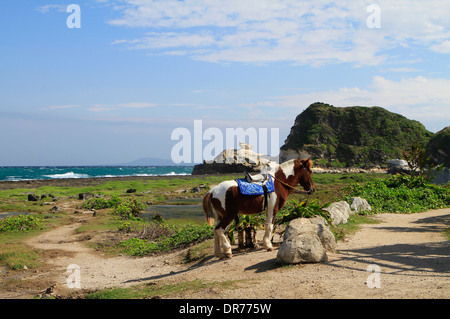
x: 412, y: 255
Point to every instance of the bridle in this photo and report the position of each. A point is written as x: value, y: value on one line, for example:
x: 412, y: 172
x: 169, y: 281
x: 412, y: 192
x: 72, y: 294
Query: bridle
x: 301, y: 191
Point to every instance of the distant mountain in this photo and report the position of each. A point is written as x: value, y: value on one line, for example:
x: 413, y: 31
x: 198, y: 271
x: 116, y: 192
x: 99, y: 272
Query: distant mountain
x: 351, y: 136
x: 152, y: 161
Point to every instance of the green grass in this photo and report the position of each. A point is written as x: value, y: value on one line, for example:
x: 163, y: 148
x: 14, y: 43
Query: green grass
x: 447, y: 233
x: 352, y: 226
x: 21, y: 223
x: 331, y: 187
x: 156, y: 289
x: 13, y: 252
x: 157, y: 191
x: 164, y: 237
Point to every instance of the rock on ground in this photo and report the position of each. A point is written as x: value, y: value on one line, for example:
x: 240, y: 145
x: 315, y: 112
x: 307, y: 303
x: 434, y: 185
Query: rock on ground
x: 306, y: 242
x: 360, y: 205
x: 339, y: 212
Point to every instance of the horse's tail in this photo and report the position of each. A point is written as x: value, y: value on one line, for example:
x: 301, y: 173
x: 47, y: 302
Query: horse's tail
x: 208, y: 209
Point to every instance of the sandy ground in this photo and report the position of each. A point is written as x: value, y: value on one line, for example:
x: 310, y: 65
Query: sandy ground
x: 410, y: 254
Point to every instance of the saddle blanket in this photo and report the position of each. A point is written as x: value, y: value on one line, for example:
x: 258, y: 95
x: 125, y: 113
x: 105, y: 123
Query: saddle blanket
x: 253, y: 188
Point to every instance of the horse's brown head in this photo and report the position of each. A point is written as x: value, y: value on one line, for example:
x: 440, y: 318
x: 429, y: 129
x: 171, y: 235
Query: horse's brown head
x: 303, y: 167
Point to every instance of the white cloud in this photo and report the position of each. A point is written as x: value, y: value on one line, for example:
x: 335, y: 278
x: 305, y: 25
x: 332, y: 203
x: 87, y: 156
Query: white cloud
x: 61, y: 107
x: 403, y: 70
x: 137, y: 105
x: 130, y: 105
x: 48, y: 7
x: 443, y: 47
x: 302, y: 32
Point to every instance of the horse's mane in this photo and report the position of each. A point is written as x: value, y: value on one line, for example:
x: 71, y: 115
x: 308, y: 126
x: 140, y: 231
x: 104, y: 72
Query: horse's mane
x: 286, y: 165
x: 289, y: 165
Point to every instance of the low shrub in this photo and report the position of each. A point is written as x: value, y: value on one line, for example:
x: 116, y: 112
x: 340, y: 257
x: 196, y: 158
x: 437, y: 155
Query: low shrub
x: 102, y: 203
x: 21, y: 223
x: 294, y: 209
x: 401, y: 194
x: 129, y: 209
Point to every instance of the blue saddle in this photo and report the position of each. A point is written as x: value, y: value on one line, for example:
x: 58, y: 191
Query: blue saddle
x: 247, y: 188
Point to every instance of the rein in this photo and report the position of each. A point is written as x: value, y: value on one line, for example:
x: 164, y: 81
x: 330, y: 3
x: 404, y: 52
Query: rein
x: 301, y: 191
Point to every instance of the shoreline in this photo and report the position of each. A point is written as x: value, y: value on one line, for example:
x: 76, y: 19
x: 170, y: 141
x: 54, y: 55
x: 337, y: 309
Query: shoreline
x: 91, y: 181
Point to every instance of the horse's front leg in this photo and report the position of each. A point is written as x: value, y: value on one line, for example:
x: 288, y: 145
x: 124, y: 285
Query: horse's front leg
x: 269, y: 223
x: 268, y: 234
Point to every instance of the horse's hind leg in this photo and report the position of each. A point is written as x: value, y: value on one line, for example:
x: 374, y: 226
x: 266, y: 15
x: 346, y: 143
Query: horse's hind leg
x: 222, y: 240
x: 224, y: 244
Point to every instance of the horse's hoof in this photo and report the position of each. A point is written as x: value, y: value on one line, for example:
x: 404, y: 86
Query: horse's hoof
x: 227, y: 256
x: 270, y: 249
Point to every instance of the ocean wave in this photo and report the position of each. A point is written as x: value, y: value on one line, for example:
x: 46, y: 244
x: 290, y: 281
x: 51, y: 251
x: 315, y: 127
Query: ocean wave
x: 167, y: 174
x: 45, y: 173
x: 67, y: 175
x: 16, y: 179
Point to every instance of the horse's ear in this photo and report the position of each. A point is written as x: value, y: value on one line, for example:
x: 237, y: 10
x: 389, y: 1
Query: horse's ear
x: 308, y: 163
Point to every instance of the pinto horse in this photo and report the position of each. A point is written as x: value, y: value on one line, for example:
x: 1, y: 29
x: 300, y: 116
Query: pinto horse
x: 225, y: 201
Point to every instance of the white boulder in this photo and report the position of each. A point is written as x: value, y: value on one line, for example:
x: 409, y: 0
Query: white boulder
x: 306, y: 242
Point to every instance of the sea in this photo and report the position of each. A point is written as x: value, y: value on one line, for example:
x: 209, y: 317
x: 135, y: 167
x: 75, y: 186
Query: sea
x: 27, y: 173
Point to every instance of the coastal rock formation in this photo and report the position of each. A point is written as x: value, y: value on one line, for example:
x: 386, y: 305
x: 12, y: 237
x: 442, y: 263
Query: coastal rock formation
x: 351, y: 136
x: 33, y: 197
x: 236, y: 161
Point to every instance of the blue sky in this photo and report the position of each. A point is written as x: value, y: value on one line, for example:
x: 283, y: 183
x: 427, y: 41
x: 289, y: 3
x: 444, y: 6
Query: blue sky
x: 113, y: 90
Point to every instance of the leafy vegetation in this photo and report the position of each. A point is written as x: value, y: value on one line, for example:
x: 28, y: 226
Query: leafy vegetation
x: 21, y: 223
x: 401, y: 194
x: 438, y: 148
x: 304, y: 209
x: 129, y: 209
x: 420, y: 163
x: 157, y: 289
x: 14, y: 230
x: 161, y: 237
x: 102, y: 203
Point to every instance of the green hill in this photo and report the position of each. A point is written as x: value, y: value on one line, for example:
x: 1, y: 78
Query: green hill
x: 438, y: 148
x: 351, y: 136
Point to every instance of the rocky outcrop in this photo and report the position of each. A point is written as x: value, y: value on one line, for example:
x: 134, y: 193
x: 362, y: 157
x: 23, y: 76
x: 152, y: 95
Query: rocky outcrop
x: 236, y: 161
x: 351, y: 136
x: 33, y: 197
